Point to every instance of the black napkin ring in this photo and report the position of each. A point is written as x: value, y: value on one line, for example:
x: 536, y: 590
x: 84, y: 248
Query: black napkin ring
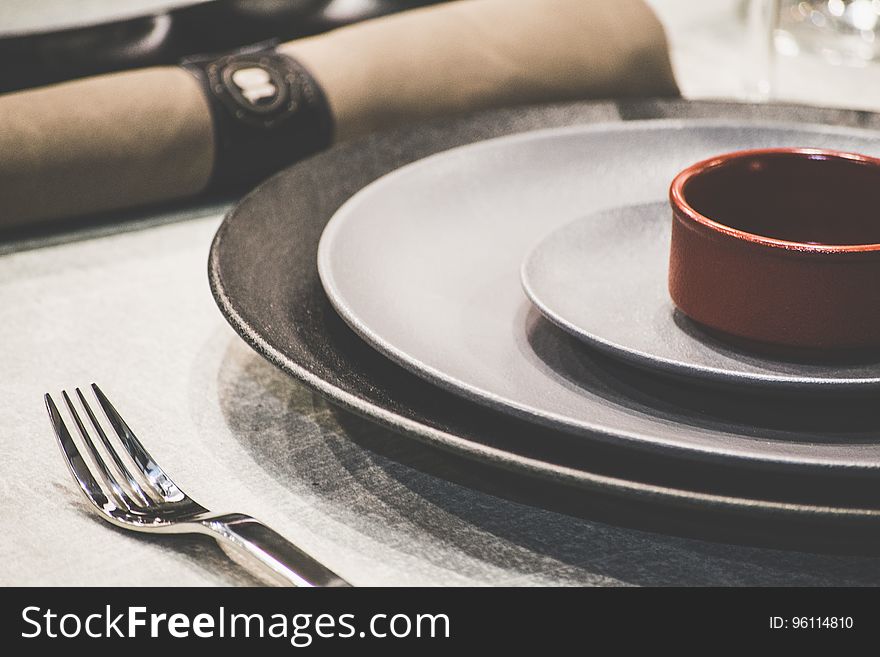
x: 267, y: 109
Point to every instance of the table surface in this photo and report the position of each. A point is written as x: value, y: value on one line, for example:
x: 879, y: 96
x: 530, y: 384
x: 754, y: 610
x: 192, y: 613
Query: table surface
x: 128, y: 306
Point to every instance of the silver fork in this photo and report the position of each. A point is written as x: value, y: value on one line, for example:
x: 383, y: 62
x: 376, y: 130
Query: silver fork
x: 158, y: 505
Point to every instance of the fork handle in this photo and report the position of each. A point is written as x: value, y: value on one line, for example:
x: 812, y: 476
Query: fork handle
x: 259, y: 548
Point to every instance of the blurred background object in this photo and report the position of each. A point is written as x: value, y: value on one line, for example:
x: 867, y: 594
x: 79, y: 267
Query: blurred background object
x: 761, y: 17
x: 42, y: 43
x: 816, y: 52
x: 821, y: 52
x: 839, y: 31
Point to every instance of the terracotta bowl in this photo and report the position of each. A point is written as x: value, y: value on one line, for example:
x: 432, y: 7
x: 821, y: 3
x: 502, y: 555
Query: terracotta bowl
x: 780, y: 246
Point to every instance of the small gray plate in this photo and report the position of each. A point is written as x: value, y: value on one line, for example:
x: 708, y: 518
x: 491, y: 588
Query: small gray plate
x: 602, y: 278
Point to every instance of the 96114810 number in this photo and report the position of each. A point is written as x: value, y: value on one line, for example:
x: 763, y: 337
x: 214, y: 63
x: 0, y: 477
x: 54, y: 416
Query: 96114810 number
x: 811, y: 622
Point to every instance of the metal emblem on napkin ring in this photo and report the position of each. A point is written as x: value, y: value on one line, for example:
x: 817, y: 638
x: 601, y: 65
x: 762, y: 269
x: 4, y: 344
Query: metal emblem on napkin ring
x: 253, y: 85
x: 256, y: 89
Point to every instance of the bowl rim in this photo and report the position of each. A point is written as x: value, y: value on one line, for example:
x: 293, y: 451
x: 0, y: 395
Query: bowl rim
x: 678, y: 202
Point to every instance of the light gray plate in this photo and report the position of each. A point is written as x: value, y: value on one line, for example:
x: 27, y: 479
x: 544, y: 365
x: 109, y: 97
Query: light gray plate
x: 424, y: 264
x: 602, y: 278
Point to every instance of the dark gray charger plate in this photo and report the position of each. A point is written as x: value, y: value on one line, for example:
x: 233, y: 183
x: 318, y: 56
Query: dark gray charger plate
x: 263, y: 274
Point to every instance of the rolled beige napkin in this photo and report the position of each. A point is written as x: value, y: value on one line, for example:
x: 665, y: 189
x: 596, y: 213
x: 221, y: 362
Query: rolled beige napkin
x: 165, y: 133
x: 476, y: 54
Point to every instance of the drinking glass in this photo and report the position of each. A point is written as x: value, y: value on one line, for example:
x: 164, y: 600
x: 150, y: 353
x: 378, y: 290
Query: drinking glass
x: 793, y: 47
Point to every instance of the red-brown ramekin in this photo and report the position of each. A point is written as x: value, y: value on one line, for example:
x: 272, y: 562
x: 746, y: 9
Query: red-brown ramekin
x: 780, y: 246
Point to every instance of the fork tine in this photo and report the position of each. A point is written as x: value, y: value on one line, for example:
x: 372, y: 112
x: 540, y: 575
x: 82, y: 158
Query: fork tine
x: 161, y: 482
x: 75, y: 462
x: 120, y: 466
x: 103, y: 475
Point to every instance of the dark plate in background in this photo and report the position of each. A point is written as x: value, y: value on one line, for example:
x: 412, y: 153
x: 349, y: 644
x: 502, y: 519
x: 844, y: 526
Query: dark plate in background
x: 50, y: 41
